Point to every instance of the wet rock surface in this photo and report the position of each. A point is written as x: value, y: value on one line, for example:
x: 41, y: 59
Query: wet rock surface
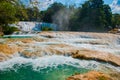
x: 98, y: 56
x: 91, y: 46
x: 92, y: 75
x: 100, y: 47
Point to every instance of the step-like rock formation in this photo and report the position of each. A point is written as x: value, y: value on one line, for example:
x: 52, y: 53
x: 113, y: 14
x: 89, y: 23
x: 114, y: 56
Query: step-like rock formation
x: 60, y: 43
x: 99, y: 56
x: 93, y: 75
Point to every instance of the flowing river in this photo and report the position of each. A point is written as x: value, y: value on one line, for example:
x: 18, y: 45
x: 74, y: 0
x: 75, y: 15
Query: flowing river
x: 48, y: 68
x: 44, y: 63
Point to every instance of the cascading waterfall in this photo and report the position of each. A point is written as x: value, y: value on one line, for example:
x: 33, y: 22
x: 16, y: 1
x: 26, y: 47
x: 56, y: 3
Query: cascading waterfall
x: 48, y: 68
x: 58, y: 67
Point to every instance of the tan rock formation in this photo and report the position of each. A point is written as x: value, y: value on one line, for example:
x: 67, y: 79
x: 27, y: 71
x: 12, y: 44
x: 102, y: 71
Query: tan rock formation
x: 92, y: 75
x: 7, y: 50
x: 63, y: 49
x: 24, y: 40
x: 78, y: 34
x: 58, y: 49
x: 96, y: 55
x: 38, y: 46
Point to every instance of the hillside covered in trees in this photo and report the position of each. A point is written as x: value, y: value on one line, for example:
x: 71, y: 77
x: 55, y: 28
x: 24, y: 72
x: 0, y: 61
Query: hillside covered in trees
x: 93, y: 16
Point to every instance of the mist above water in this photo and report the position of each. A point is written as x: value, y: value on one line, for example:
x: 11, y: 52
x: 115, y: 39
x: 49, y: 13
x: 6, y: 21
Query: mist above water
x: 62, y: 18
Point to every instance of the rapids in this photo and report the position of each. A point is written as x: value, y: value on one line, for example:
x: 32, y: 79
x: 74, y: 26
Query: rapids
x: 48, y: 68
x: 48, y: 55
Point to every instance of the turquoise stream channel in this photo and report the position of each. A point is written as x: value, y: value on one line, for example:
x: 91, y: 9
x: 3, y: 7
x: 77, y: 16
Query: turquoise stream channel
x: 61, y: 72
x: 47, y: 68
x: 18, y: 36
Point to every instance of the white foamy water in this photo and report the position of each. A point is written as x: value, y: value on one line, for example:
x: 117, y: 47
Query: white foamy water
x: 89, y: 42
x: 76, y: 41
x: 54, y: 61
x: 103, y: 44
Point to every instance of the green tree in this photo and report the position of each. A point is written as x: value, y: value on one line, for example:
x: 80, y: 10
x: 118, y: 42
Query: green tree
x: 93, y: 16
x: 116, y: 20
x: 33, y: 14
x: 10, y: 30
x: 96, y: 3
x: 21, y: 14
x: 7, y: 14
x: 54, y: 8
x: 74, y: 22
x: 108, y: 15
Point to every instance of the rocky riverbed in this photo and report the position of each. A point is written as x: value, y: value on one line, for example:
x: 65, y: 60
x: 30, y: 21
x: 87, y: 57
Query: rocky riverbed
x: 101, y: 47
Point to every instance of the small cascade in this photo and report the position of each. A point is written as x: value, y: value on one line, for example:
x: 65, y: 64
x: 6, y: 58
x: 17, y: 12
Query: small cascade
x: 48, y: 67
x: 48, y: 55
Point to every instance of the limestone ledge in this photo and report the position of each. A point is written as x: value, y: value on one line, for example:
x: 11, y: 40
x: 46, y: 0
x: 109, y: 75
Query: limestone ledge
x: 92, y: 75
x: 97, y: 55
x: 38, y: 46
x: 58, y: 49
x: 6, y: 51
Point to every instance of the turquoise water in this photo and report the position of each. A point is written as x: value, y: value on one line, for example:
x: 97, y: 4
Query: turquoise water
x: 53, y: 67
x: 17, y: 36
x: 60, y: 72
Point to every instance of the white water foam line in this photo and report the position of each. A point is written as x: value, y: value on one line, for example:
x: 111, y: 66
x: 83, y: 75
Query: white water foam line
x: 103, y: 45
x: 46, y: 43
x: 68, y: 35
x: 102, y: 48
x: 54, y: 61
x: 82, y: 44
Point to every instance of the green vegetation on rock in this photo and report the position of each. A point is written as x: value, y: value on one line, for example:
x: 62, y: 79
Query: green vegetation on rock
x: 47, y: 29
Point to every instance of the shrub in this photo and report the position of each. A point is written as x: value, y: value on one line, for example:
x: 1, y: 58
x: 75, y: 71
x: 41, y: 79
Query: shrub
x: 9, y: 30
x: 47, y: 29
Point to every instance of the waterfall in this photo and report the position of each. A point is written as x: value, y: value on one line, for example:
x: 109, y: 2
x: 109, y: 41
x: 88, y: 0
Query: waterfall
x: 49, y: 55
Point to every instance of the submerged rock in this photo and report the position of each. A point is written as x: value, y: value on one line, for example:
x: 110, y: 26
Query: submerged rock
x: 92, y: 75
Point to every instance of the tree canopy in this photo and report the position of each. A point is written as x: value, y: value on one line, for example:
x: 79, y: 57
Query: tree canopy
x: 93, y: 15
x: 54, y: 8
x: 9, y: 9
x: 7, y: 13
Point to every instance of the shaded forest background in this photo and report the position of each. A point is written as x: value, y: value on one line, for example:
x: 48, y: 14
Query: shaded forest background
x: 93, y: 16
